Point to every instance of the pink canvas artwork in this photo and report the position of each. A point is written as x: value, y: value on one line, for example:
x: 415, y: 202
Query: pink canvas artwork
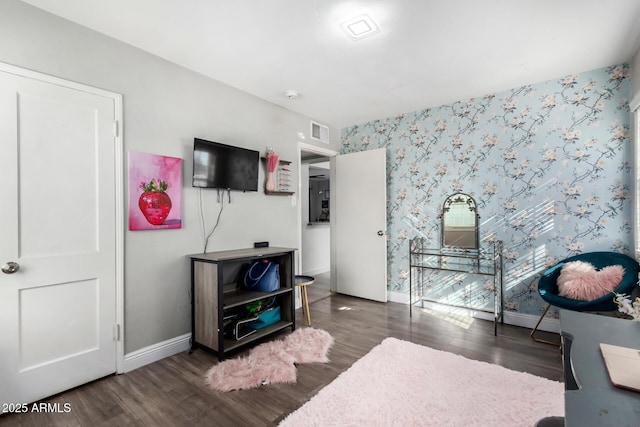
x: 155, y: 188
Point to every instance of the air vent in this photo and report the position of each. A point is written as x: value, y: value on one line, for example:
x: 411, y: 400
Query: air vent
x: 320, y: 132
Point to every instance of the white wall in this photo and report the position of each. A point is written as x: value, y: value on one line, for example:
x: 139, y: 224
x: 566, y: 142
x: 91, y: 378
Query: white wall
x: 165, y: 107
x: 315, y: 238
x: 316, y: 245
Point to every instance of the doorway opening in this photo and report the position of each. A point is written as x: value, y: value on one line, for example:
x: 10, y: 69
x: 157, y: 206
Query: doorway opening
x: 315, y: 219
x: 316, y: 223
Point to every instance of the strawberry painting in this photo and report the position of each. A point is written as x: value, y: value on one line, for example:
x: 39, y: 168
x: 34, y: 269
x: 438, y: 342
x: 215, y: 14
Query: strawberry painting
x: 154, y: 202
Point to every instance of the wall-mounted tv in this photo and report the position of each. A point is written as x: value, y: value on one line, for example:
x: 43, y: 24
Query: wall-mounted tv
x: 217, y: 165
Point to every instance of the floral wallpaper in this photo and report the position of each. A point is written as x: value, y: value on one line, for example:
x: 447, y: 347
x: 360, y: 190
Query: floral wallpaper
x: 547, y: 163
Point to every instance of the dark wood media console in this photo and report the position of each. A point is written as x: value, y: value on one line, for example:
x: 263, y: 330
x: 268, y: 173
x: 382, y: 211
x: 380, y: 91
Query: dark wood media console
x: 216, y: 290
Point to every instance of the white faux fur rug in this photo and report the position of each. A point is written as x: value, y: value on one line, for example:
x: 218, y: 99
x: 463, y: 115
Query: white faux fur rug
x: 272, y: 362
x: 399, y: 383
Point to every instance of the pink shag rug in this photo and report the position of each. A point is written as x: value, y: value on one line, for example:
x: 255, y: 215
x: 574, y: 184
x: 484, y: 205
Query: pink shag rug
x: 399, y: 383
x: 272, y: 362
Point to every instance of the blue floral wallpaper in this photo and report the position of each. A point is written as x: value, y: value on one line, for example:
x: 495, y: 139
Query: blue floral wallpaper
x: 548, y: 165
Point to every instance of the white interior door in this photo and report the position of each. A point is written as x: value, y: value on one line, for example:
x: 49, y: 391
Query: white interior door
x: 360, y: 213
x: 58, y: 216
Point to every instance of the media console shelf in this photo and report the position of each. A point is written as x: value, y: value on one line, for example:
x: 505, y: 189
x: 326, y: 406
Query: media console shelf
x: 216, y: 288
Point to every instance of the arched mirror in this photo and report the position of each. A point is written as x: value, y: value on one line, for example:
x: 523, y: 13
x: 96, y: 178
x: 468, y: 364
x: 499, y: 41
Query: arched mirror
x: 460, y: 222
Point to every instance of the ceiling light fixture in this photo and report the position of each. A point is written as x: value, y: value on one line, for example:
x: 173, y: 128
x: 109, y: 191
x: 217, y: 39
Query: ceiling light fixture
x: 360, y: 27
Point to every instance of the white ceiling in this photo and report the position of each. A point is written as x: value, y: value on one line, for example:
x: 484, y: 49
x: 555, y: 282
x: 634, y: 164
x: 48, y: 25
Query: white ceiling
x: 427, y: 53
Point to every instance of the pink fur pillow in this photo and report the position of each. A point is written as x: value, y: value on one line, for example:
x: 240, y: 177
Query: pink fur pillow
x: 580, y: 280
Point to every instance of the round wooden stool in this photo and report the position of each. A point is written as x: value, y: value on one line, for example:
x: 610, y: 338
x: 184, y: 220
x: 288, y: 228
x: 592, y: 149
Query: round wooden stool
x: 303, y: 281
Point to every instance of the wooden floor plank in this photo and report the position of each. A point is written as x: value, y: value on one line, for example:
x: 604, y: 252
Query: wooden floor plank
x: 172, y: 392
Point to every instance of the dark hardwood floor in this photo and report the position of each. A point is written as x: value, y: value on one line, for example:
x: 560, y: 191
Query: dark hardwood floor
x: 172, y: 392
x: 320, y: 288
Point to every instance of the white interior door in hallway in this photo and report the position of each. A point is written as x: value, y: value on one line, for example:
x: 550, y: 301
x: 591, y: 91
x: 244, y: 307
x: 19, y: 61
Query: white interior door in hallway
x: 59, y: 248
x: 360, y: 214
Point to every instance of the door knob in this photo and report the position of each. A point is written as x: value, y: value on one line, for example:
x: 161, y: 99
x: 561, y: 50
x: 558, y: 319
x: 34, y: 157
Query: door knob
x: 380, y: 233
x: 10, y: 267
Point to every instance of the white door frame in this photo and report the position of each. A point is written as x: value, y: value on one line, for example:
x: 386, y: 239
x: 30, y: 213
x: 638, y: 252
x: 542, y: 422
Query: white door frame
x: 119, y: 176
x: 309, y: 148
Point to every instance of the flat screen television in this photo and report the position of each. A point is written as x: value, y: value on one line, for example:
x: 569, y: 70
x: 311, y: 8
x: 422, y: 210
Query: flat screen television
x: 217, y: 165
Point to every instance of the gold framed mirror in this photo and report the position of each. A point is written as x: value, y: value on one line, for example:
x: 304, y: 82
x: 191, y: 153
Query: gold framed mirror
x: 460, y: 222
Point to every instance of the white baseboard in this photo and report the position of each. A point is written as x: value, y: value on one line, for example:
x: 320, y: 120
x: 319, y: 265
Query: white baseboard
x: 510, y: 317
x: 155, y: 352
x: 316, y: 271
x: 399, y: 297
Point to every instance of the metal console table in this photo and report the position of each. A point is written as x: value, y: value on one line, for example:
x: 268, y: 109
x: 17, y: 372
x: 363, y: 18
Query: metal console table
x: 481, y: 261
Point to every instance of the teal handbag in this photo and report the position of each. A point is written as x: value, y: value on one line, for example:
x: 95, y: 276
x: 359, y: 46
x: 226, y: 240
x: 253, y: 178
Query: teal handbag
x: 266, y: 318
